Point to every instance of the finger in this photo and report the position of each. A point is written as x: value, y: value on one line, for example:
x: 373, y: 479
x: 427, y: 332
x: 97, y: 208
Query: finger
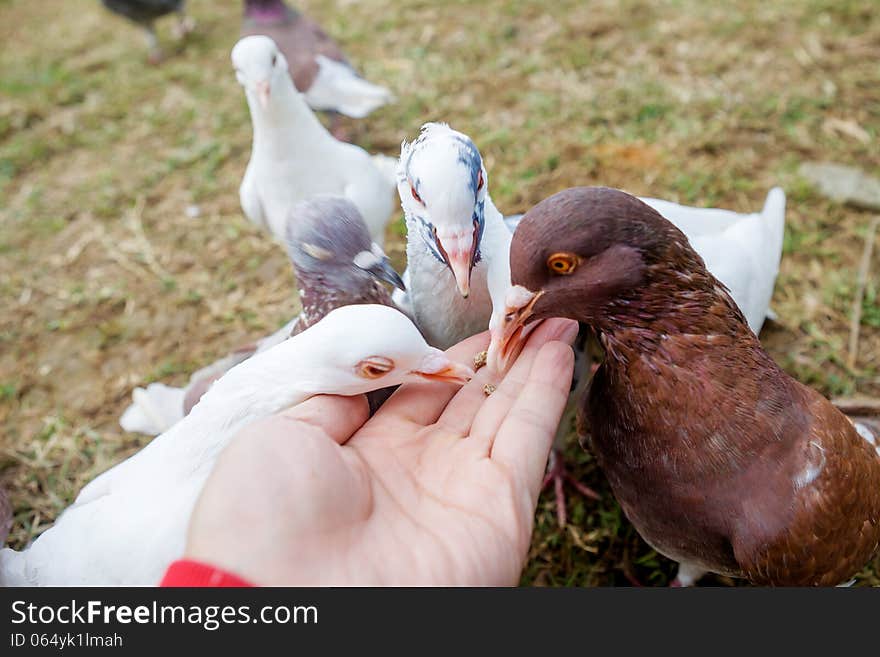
x: 337, y: 417
x: 495, y: 410
x: 524, y: 439
x: 422, y: 403
x: 461, y: 414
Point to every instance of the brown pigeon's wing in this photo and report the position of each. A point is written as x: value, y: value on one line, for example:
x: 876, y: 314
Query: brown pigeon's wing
x: 834, y: 513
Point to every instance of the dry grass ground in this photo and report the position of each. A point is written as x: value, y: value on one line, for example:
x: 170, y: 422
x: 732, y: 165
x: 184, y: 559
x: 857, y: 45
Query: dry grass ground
x: 107, y: 283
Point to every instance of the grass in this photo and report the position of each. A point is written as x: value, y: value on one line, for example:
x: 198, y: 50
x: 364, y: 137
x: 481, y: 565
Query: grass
x: 107, y: 283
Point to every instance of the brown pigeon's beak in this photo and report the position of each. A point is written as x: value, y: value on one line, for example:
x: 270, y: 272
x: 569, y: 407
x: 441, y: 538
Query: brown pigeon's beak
x: 438, y: 367
x: 264, y: 90
x: 508, y: 333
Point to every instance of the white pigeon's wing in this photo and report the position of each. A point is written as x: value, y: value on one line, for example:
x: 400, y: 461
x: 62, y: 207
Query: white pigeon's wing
x: 741, y: 250
x: 512, y: 221
x: 153, y: 409
x: 338, y: 88
x: 124, y: 528
x: 734, y: 266
x: 692, y: 221
x: 250, y: 197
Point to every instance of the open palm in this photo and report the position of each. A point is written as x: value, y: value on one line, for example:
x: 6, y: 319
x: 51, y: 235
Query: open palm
x: 439, y: 487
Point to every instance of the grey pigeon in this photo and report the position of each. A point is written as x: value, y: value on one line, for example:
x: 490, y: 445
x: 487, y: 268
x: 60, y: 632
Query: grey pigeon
x: 145, y: 12
x: 336, y: 264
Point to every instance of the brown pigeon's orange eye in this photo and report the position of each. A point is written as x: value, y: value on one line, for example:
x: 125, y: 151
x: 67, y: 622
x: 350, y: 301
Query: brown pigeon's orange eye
x: 374, y: 367
x: 415, y: 194
x: 562, y: 263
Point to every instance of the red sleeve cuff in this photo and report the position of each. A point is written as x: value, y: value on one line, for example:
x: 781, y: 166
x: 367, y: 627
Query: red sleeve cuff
x: 185, y: 572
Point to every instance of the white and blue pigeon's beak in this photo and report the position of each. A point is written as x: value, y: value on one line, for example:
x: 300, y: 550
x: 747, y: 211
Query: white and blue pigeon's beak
x: 441, y: 184
x: 459, y: 249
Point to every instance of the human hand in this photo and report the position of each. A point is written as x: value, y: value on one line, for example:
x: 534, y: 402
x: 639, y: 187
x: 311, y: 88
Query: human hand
x: 438, y: 488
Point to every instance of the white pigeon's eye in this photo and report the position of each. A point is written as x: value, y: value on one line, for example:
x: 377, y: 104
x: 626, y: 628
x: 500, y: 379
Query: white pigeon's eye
x: 274, y: 59
x: 415, y: 194
x: 374, y: 367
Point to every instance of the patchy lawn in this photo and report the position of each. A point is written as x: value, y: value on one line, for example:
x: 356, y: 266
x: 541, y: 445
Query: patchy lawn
x: 108, y: 283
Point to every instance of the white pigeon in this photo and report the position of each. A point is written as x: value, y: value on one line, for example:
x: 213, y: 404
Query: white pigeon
x: 335, y: 264
x: 293, y: 156
x: 129, y: 523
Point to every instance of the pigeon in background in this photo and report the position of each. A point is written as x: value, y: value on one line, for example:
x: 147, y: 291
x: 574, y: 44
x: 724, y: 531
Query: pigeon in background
x: 129, y: 523
x: 293, y: 156
x: 316, y: 63
x: 145, y: 12
x: 335, y: 264
x: 721, y: 460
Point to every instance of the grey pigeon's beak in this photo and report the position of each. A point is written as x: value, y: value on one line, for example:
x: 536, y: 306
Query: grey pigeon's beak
x: 383, y: 271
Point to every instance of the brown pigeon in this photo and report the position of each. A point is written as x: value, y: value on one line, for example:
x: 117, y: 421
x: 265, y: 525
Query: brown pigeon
x: 720, y: 459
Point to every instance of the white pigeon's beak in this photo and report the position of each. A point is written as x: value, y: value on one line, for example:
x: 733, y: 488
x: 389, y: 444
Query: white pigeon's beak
x: 264, y: 90
x: 458, y: 249
x: 508, y: 332
x: 437, y: 366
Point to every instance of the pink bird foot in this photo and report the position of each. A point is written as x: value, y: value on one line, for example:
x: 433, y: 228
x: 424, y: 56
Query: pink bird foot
x: 557, y: 473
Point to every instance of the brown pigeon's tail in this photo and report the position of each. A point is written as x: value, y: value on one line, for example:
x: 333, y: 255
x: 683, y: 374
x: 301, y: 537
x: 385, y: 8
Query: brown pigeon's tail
x: 5, y: 516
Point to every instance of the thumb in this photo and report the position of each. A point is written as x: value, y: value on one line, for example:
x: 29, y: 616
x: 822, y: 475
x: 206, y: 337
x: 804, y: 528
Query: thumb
x: 338, y: 417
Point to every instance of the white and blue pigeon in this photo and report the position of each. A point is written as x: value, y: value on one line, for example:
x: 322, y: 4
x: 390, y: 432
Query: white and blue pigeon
x: 458, y: 247
x: 293, y: 157
x: 335, y: 265
x: 130, y: 522
x: 457, y: 241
